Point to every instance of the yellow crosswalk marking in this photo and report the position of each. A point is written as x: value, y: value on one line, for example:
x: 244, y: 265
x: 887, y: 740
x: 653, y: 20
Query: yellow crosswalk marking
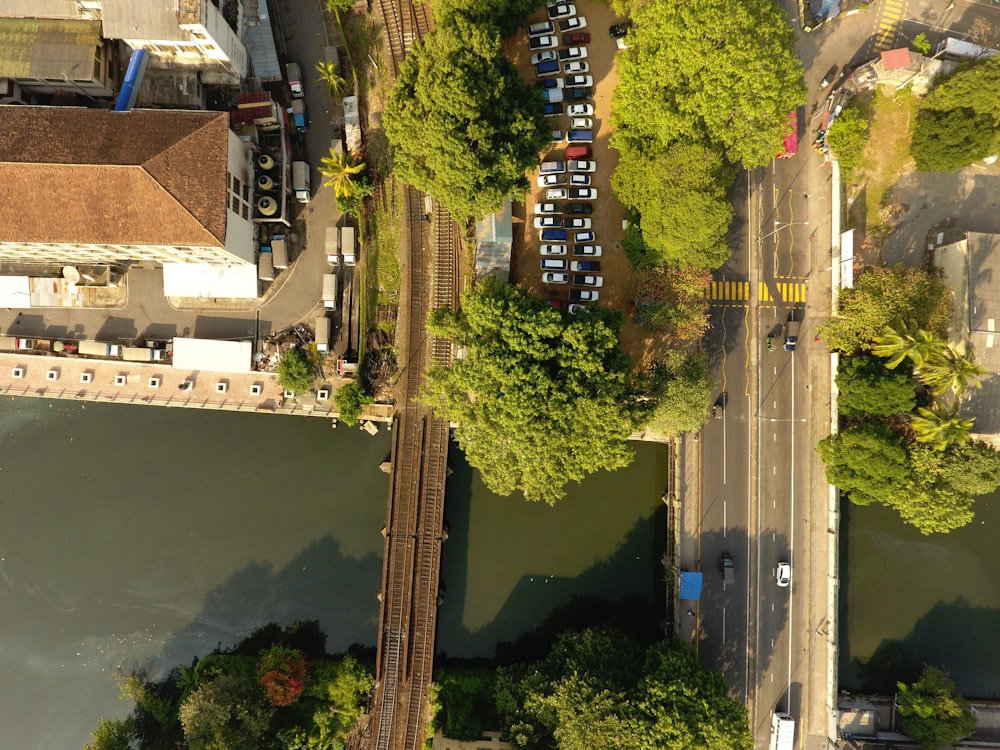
x: 763, y: 293
x: 739, y: 291
x: 728, y: 290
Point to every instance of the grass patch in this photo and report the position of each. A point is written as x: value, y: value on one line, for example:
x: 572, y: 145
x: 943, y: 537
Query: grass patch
x: 382, y: 272
x: 887, y: 153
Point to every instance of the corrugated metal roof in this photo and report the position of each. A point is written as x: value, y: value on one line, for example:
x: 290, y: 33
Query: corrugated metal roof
x: 259, y: 40
x: 142, y: 19
x: 48, y: 48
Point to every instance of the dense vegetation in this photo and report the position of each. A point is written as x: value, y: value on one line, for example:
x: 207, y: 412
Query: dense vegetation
x: 276, y: 689
x: 902, y: 442
x: 295, y: 370
x: 847, y: 138
x: 599, y: 688
x: 933, y: 713
x: 463, y: 125
x: 959, y: 120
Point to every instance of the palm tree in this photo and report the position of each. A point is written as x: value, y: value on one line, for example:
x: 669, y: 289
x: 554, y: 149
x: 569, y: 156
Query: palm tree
x: 328, y: 75
x: 899, y: 342
x: 941, y: 427
x: 951, y: 370
x: 340, y: 171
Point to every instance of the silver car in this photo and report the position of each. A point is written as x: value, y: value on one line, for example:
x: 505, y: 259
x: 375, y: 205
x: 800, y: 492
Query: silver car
x: 552, y: 277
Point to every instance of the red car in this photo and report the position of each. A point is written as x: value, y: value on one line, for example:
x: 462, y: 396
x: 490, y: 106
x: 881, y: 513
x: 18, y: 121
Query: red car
x: 578, y: 152
x: 558, y: 304
x: 580, y: 37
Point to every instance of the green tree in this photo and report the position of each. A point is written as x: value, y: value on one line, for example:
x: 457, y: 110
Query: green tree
x: 866, y: 386
x: 351, y: 204
x: 900, y: 342
x: 330, y: 77
x: 463, y: 124
x: 228, y: 713
x: 466, y: 698
x: 113, y: 734
x: 671, y: 299
x: 941, y: 427
x: 681, y: 194
x: 948, y: 370
x: 508, y: 15
x: 340, y: 172
x: 945, y: 484
x: 339, y: 7
x: 684, y: 79
x: 295, y: 371
x: 921, y: 44
x: 682, y: 390
x: 883, y: 295
x: 350, y: 400
x: 933, y: 712
x: 847, y: 137
x: 868, y: 461
x: 540, y: 399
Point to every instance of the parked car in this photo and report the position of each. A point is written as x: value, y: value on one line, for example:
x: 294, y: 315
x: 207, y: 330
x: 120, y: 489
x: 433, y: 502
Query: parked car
x: 618, y: 30
x: 585, y: 265
x: 552, y: 95
x: 548, y: 222
x: 581, y: 279
x: 583, y: 295
x: 552, y: 167
x: 561, y: 11
x: 547, y: 68
x: 553, y: 235
x: 579, y: 165
x: 577, y: 223
x: 552, y: 277
x: 573, y: 24
x: 581, y: 180
x: 551, y: 180
x: 553, y: 109
x: 580, y: 136
x: 553, y: 264
x: 547, y: 208
x: 578, y: 152
x: 552, y: 250
x: 580, y: 110
x: 543, y: 42
x: 593, y: 251
x: 579, y: 208
x: 582, y: 123
x: 829, y: 78
x: 573, y: 53
x: 583, y: 193
x: 540, y: 28
x: 783, y: 574
x: 576, y: 308
x: 558, y: 304
x: 548, y: 55
x: 576, y: 95
x: 576, y: 66
x: 557, y: 135
x: 575, y: 82
x: 550, y: 83
x: 556, y: 194
x: 580, y: 37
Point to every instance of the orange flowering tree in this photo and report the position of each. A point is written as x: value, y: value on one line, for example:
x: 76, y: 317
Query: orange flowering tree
x: 282, y: 674
x: 672, y: 299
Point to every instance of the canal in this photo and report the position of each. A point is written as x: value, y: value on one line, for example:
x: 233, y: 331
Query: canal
x: 142, y: 537
x: 909, y: 600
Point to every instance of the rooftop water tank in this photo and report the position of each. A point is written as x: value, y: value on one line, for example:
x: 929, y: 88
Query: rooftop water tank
x: 265, y: 183
x: 265, y: 162
x: 267, y: 206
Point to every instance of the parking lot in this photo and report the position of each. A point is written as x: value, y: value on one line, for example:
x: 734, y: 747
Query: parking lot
x: 607, y: 214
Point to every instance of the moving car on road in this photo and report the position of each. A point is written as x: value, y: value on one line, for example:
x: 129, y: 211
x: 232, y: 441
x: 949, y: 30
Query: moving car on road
x: 791, y: 333
x: 727, y: 568
x: 783, y: 574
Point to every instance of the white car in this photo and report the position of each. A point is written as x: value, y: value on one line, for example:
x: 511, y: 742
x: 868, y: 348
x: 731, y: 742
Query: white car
x: 582, y: 295
x: 573, y: 24
x: 552, y: 250
x: 552, y: 277
x: 581, y: 123
x: 548, y: 222
x: 576, y: 82
x: 582, y: 279
x: 592, y: 250
x: 550, y: 180
x: 543, y: 42
x: 783, y: 574
x: 576, y: 308
x: 544, y: 56
x: 555, y: 194
x: 547, y: 208
x: 575, y: 223
x: 561, y: 11
x: 580, y: 165
x: 584, y: 237
x: 576, y: 66
x: 583, y: 193
x: 572, y: 53
x: 579, y: 180
x: 580, y: 110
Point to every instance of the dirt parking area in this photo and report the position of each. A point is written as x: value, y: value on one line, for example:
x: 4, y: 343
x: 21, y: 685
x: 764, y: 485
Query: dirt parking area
x: 608, y: 213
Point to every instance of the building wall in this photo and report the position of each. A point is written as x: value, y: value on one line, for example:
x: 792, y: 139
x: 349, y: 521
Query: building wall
x: 69, y: 254
x: 100, y: 83
x: 239, y: 213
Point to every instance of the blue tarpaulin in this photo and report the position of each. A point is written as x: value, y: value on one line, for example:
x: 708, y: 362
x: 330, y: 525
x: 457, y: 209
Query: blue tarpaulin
x: 691, y: 586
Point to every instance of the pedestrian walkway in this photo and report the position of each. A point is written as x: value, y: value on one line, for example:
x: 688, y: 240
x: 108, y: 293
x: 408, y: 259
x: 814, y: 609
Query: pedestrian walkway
x: 888, y: 24
x: 787, y: 292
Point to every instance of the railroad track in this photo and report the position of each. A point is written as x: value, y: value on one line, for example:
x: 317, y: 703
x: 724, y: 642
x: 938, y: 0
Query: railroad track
x: 405, y: 22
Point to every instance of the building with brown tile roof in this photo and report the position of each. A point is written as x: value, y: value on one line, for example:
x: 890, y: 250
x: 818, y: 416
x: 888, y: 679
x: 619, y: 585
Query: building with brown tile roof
x: 95, y: 186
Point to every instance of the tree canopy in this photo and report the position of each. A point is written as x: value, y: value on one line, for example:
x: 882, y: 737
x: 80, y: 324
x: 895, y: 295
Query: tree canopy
x: 934, y: 714
x: 958, y: 122
x: 683, y: 389
x: 671, y: 299
x: 463, y: 125
x: 295, y: 371
x: 882, y: 296
x: 708, y: 69
x: 866, y: 386
x: 847, y: 138
x: 541, y: 398
x: 680, y: 192
x: 599, y: 688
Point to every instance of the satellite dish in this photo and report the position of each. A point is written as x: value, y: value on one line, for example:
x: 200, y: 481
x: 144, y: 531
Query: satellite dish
x: 71, y: 274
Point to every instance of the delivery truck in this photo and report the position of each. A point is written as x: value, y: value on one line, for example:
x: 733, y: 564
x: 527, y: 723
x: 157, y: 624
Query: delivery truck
x: 348, y: 248
x: 143, y: 354
x: 295, y: 80
x: 333, y: 246
x: 99, y: 349
x: 782, y: 732
x: 322, y: 334
x: 300, y: 181
x: 330, y: 291
x: 298, y: 113
x: 279, y: 252
x: 265, y: 265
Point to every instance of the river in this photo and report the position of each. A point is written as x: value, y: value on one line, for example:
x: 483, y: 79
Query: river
x: 141, y: 537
